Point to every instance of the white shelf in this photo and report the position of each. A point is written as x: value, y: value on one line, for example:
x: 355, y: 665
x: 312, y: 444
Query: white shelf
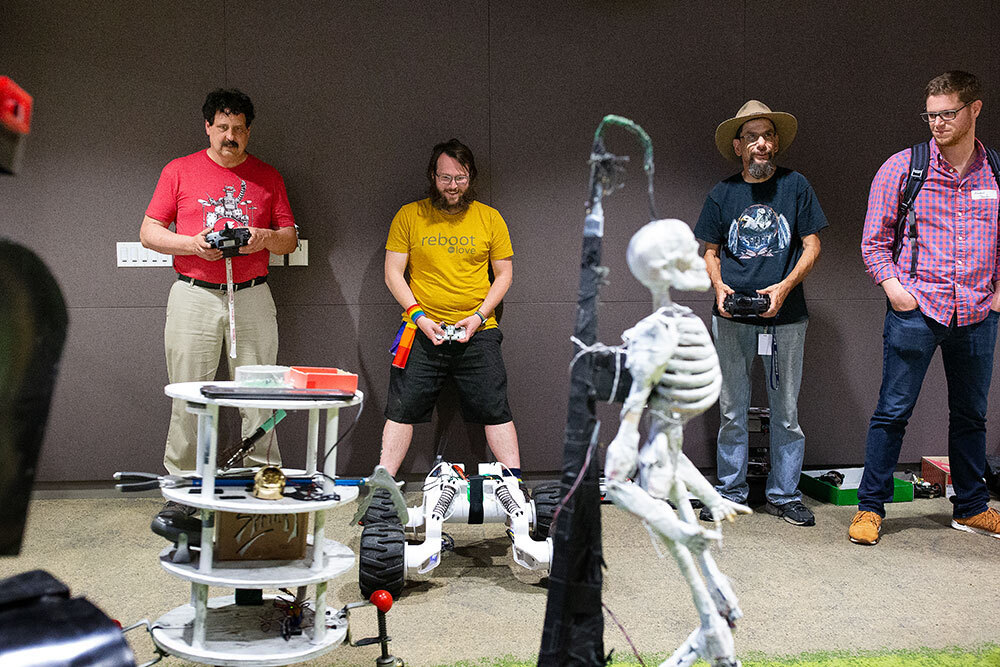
x: 237, y: 499
x: 221, y: 632
x: 263, y: 573
x: 234, y: 635
x: 191, y: 392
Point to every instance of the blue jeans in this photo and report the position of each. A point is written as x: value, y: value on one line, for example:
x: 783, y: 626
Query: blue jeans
x: 909, y: 341
x: 736, y: 345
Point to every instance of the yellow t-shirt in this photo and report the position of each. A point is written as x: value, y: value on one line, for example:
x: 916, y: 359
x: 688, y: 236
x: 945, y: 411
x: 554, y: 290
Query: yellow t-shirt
x: 449, y: 256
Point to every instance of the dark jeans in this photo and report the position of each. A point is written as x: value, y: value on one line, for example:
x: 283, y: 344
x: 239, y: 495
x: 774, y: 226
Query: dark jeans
x: 909, y: 341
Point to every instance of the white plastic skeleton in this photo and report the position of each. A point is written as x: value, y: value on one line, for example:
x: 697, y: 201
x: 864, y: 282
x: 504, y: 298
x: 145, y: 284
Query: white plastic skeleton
x: 675, y: 374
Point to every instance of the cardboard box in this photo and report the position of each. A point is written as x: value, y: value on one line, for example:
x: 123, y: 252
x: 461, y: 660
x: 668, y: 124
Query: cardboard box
x: 260, y: 536
x: 308, y: 377
x: 936, y: 470
x: 847, y: 492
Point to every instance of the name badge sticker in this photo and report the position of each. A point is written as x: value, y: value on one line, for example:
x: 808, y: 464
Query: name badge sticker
x: 764, y: 344
x: 984, y: 194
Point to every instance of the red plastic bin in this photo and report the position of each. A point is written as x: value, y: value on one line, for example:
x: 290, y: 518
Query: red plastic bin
x: 311, y: 377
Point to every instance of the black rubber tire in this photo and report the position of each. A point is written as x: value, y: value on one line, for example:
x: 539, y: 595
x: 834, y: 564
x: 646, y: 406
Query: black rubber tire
x: 546, y: 498
x: 381, y: 563
x: 381, y: 509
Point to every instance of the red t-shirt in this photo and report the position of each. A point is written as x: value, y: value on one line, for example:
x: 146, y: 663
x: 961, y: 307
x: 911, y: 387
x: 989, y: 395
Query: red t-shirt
x: 194, y: 192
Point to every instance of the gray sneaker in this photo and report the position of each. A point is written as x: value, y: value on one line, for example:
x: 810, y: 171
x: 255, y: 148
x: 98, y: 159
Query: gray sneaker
x: 794, y: 513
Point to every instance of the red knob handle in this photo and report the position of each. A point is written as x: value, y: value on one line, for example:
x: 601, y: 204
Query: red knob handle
x: 382, y: 600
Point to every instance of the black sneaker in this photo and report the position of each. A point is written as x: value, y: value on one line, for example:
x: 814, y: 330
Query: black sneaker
x: 794, y: 513
x: 174, y: 519
x: 174, y: 510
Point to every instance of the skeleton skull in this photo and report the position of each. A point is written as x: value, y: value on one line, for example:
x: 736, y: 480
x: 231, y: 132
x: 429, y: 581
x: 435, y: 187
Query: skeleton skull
x: 664, y: 254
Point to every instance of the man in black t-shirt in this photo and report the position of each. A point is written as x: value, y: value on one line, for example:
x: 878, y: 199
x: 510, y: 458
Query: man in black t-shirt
x: 760, y: 229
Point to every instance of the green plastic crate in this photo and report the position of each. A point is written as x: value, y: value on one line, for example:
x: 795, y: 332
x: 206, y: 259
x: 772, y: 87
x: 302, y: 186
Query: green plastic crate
x: 847, y: 492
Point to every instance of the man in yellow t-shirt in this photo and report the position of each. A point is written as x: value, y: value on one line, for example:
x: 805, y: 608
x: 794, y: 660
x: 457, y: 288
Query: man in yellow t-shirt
x: 448, y: 242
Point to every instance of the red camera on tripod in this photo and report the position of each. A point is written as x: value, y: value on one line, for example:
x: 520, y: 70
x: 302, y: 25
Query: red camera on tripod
x: 15, y: 123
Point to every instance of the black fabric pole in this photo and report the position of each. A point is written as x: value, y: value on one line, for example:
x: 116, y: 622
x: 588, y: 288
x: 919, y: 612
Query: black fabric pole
x: 573, y: 633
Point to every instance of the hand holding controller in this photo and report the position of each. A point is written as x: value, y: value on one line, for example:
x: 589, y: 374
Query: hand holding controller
x: 451, y: 333
x: 229, y: 240
x: 746, y: 305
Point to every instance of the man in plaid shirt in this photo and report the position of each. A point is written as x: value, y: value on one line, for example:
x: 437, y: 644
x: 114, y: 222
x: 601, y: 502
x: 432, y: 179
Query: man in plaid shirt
x: 950, y: 301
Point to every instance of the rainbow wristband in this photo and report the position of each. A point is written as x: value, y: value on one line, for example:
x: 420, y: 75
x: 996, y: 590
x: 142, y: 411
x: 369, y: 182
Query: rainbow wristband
x: 481, y: 317
x: 415, y: 312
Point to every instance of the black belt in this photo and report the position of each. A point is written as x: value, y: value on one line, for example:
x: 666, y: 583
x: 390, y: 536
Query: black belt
x: 207, y: 285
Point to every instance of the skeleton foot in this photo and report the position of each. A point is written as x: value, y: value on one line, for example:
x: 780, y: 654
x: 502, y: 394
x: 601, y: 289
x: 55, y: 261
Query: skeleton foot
x: 712, y: 642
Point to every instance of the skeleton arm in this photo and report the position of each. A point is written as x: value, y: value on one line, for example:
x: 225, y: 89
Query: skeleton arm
x: 623, y: 452
x: 706, y: 493
x: 650, y: 344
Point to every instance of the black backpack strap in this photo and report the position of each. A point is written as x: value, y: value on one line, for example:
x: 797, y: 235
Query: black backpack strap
x: 920, y: 158
x: 993, y: 157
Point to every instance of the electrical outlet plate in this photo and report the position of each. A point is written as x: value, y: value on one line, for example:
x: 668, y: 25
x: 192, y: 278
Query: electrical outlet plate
x: 276, y: 260
x: 300, y: 256
x: 131, y: 253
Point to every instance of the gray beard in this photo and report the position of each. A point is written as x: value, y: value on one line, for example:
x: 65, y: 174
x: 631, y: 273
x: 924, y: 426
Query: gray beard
x: 762, y: 170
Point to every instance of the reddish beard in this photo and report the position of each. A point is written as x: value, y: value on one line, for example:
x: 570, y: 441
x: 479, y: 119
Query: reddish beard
x: 439, y: 201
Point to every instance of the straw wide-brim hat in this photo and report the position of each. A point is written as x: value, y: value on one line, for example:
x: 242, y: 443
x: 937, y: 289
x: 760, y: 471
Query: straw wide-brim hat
x: 784, y: 124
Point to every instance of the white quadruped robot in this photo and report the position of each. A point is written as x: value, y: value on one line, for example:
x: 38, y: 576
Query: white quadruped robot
x: 450, y: 495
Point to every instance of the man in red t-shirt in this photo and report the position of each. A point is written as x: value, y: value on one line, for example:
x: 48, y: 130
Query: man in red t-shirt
x: 221, y: 186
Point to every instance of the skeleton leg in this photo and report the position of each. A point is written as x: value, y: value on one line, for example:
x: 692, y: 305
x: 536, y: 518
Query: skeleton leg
x: 713, y: 641
x: 718, y: 585
x: 720, y: 589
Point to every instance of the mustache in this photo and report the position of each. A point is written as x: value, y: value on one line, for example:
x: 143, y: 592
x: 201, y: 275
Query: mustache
x: 230, y: 144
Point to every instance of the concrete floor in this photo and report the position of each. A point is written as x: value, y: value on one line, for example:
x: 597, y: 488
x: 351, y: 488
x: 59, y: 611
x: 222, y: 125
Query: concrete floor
x: 801, y: 589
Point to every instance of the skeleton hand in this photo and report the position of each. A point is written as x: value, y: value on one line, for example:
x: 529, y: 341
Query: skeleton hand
x: 696, y: 538
x: 623, y: 455
x: 725, y: 509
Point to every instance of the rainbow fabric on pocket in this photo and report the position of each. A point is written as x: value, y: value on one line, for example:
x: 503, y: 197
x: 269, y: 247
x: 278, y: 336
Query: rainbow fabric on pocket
x: 401, y: 346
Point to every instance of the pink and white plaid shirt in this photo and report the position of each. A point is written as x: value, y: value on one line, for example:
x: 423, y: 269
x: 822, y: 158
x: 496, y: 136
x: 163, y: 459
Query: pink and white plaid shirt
x: 958, y: 261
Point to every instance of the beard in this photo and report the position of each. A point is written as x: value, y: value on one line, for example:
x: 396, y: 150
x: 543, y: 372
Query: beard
x: 440, y: 202
x: 952, y: 138
x: 762, y: 170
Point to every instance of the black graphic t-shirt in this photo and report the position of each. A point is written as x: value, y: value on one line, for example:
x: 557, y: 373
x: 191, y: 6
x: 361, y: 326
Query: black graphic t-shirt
x: 759, y: 228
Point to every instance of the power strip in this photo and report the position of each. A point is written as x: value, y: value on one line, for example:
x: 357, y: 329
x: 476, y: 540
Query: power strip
x: 132, y: 253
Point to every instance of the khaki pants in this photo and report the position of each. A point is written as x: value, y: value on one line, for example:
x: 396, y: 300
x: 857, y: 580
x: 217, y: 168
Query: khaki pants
x: 196, y: 333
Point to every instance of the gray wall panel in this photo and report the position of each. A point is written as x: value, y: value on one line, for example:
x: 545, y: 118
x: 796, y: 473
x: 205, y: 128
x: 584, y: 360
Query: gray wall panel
x: 108, y: 411
x: 350, y: 97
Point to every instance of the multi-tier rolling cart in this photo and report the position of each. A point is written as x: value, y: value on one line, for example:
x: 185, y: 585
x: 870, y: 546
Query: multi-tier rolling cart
x: 217, y: 631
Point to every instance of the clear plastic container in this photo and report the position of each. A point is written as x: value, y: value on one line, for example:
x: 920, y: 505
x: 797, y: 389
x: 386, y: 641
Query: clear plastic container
x: 261, y: 376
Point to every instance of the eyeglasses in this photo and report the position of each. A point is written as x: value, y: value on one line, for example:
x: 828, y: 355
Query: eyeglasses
x: 931, y: 116
x: 461, y: 179
x: 752, y: 137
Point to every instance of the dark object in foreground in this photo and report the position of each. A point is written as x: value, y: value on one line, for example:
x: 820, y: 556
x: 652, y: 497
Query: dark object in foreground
x: 33, y: 324
x: 40, y: 624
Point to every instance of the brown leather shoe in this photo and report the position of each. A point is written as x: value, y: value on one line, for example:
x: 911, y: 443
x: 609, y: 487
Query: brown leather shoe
x: 865, y: 528
x: 984, y: 523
